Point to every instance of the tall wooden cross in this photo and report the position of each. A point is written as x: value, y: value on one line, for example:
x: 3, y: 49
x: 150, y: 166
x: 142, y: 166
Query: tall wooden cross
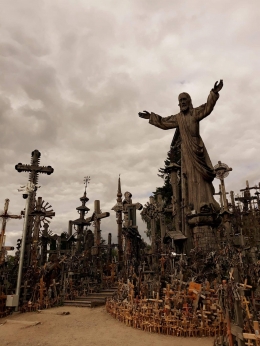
x: 34, y: 169
x: 118, y: 208
x: 129, y: 210
x: 44, y: 243
x: 221, y: 198
x: 151, y: 213
x: 247, y: 199
x: 222, y: 170
x: 130, y: 229
x: 96, y: 218
x: 5, y: 216
x: 40, y: 213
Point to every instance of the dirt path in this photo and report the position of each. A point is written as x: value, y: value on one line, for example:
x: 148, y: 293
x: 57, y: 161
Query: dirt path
x: 83, y: 327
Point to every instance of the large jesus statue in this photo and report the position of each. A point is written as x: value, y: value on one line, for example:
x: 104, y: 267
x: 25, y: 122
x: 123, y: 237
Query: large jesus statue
x: 195, y: 162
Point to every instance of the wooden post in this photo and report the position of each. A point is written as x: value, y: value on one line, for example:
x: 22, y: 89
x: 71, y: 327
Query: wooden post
x: 5, y: 216
x: 109, y: 248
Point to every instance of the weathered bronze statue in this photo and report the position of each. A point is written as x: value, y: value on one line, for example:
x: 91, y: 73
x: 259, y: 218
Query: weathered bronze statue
x: 196, y: 166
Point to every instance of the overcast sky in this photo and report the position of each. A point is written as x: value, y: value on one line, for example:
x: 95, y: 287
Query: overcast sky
x: 75, y: 74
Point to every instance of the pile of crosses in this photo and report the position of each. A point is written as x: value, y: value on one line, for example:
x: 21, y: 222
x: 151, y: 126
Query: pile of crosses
x: 229, y: 270
x: 72, y: 264
x: 202, y: 283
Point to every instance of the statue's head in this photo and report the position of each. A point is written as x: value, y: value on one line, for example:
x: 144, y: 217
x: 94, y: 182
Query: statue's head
x: 127, y: 195
x: 185, y: 102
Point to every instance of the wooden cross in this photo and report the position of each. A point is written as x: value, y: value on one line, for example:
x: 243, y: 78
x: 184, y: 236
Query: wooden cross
x: 144, y: 263
x: 42, y: 288
x: 40, y: 213
x: 244, y: 285
x: 162, y: 261
x: 54, y: 284
x: 96, y: 218
x: 118, y: 208
x: 156, y: 301
x: 34, y: 169
x: 5, y: 216
x: 44, y: 242
x: 222, y: 171
x: 129, y: 210
x: 151, y: 213
x: 247, y: 199
x: 246, y: 303
x: 221, y: 197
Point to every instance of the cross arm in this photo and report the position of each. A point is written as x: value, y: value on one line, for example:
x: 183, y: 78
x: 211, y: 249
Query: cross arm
x: 29, y: 168
x: 103, y: 215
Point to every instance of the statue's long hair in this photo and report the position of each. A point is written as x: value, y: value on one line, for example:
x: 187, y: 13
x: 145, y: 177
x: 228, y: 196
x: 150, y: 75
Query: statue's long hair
x: 188, y: 96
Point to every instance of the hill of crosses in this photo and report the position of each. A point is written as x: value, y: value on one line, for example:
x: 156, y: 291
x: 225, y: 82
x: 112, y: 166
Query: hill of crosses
x: 198, y: 277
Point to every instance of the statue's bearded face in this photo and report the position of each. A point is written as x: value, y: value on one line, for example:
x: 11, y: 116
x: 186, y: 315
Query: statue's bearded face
x: 184, y: 102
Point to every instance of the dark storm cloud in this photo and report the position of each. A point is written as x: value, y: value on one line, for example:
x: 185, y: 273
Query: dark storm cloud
x: 75, y: 75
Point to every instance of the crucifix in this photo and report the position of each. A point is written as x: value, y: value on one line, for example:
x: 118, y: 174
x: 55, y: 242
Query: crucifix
x: 96, y: 218
x: 5, y: 216
x: 129, y: 210
x: 34, y: 169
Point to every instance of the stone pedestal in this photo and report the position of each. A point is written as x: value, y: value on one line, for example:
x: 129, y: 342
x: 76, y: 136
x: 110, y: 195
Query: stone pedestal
x: 204, y: 238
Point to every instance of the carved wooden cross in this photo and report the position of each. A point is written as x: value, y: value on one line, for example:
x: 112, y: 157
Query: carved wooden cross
x: 96, y: 219
x: 40, y: 213
x: 222, y: 170
x: 162, y: 260
x: 5, y: 216
x: 247, y: 199
x: 129, y: 210
x: 34, y: 167
x: 220, y: 196
x: 151, y: 213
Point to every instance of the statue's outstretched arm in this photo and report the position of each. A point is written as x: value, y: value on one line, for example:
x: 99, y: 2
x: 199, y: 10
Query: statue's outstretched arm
x: 163, y: 123
x: 158, y: 121
x: 204, y: 110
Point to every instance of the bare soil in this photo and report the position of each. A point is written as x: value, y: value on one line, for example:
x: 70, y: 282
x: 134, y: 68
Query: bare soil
x: 83, y: 327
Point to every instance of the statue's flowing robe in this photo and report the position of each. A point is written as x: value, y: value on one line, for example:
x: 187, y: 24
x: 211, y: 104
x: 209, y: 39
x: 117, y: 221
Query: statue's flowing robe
x: 195, y: 162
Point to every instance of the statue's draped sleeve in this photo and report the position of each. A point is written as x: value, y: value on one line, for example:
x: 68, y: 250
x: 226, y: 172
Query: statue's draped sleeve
x: 204, y: 110
x: 163, y: 123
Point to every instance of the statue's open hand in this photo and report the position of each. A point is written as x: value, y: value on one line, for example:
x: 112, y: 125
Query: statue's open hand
x: 218, y: 86
x: 144, y: 115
